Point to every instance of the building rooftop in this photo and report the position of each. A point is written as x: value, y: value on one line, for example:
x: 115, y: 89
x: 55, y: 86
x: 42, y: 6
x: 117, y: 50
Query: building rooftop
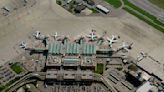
x: 152, y: 66
x: 119, y: 82
x: 71, y: 61
x: 71, y: 48
x: 146, y: 87
x: 51, y: 74
x: 53, y: 61
x: 88, y: 61
x: 89, y: 49
x: 68, y: 74
x: 86, y: 75
x: 55, y: 47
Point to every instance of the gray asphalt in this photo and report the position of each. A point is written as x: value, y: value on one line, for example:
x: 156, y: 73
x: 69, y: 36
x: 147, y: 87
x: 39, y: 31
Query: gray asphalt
x: 149, y: 7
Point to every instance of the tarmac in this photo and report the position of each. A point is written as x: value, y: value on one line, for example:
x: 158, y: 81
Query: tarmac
x: 48, y: 17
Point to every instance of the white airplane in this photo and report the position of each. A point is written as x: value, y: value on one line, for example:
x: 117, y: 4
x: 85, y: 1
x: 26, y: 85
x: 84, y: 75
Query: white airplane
x: 112, y: 40
x: 92, y: 35
x: 6, y: 9
x: 141, y: 56
x: 23, y: 45
x: 125, y: 46
x: 55, y: 35
x: 37, y: 34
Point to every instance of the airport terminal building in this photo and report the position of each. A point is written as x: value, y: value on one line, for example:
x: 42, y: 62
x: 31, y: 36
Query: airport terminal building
x: 71, y: 60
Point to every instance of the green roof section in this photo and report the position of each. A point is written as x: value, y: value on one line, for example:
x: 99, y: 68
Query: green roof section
x: 72, y: 48
x: 82, y: 40
x: 55, y: 48
x: 71, y: 60
x: 89, y: 49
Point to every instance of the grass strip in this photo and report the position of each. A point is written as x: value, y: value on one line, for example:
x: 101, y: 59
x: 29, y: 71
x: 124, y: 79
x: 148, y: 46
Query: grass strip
x: 126, y: 2
x: 114, y: 3
x: 145, y: 20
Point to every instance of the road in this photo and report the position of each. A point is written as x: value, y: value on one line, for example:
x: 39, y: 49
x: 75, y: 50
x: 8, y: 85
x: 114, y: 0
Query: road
x: 101, y: 78
x: 20, y: 85
x: 149, y: 7
x: 23, y: 80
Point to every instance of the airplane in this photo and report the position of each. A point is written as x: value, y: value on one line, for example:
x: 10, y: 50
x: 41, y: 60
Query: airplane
x: 55, y: 35
x: 6, y: 9
x: 23, y: 45
x: 141, y: 56
x: 37, y: 34
x: 112, y: 40
x: 92, y: 35
x: 126, y: 46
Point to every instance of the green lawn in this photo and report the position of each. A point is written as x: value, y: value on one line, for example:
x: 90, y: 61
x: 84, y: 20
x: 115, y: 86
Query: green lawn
x: 99, y: 68
x: 115, y: 3
x: 16, y: 68
x: 159, y: 3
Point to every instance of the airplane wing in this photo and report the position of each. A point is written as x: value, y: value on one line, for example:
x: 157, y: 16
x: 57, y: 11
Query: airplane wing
x: 94, y: 36
x: 114, y: 40
x: 56, y: 34
x: 126, y: 49
x: 89, y: 36
x: 108, y: 39
x: 123, y: 44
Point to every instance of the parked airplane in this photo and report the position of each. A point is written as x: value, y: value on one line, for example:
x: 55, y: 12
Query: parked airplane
x: 6, y: 9
x: 141, y: 56
x: 112, y: 40
x: 37, y: 34
x: 23, y: 45
x: 126, y: 46
x: 92, y: 36
x: 55, y: 35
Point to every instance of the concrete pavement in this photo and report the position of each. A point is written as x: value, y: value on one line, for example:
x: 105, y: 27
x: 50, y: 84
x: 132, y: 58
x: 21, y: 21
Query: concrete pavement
x: 23, y: 80
x: 48, y: 17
